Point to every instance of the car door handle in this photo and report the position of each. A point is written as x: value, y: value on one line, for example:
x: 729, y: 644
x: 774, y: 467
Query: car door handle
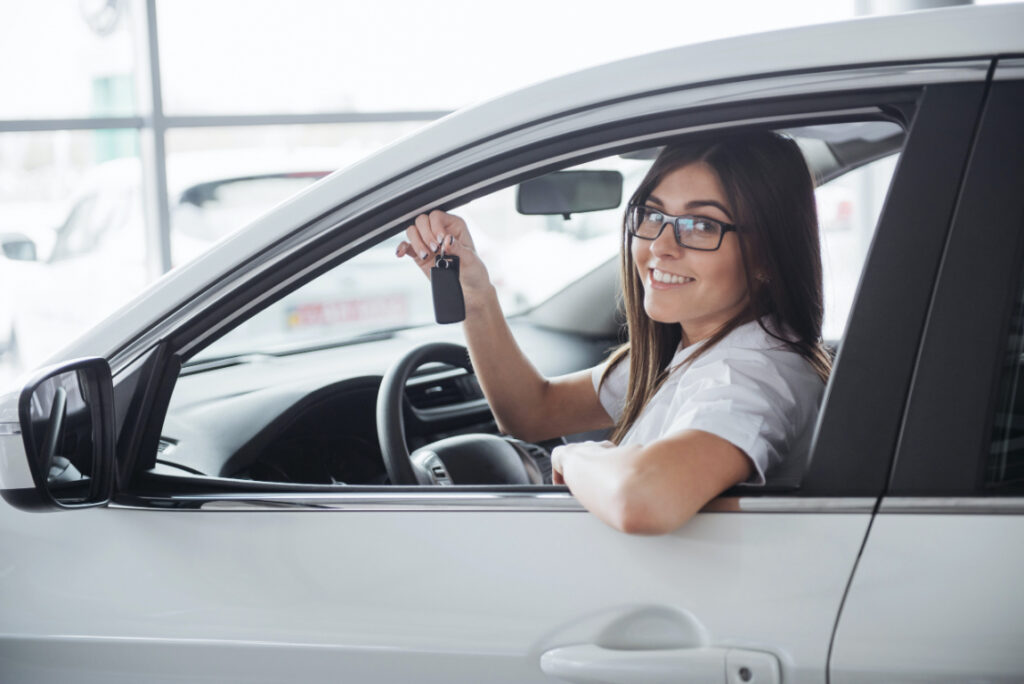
x: 591, y: 664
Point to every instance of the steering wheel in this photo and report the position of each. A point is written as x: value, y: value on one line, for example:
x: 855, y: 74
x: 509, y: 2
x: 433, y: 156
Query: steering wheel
x: 464, y: 459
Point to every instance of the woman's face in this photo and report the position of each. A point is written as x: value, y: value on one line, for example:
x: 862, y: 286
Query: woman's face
x: 701, y: 291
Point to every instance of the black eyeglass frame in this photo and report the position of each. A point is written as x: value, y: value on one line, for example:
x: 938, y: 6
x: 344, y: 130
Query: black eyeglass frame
x: 676, y: 230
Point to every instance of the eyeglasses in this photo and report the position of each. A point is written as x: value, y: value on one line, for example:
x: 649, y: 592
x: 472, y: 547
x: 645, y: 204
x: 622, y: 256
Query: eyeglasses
x: 692, y: 232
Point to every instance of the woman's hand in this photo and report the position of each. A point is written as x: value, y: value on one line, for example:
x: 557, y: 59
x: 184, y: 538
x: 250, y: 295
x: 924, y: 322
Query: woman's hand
x: 424, y: 241
x: 557, y: 466
x: 585, y: 450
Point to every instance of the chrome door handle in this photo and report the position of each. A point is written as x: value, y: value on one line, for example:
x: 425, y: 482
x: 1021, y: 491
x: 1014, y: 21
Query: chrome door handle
x: 591, y: 664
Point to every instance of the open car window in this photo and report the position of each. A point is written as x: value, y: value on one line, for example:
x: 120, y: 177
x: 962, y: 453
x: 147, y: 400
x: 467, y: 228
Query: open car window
x: 375, y: 292
x: 289, y: 394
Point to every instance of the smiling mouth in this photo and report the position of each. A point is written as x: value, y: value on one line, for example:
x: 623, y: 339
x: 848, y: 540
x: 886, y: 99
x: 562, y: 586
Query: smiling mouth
x: 669, y: 278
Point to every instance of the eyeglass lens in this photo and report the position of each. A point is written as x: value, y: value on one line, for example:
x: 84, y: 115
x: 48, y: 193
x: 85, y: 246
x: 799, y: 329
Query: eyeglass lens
x: 690, y: 231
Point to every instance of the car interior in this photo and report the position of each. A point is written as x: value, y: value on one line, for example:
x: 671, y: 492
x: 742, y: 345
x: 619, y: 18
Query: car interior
x: 302, y: 415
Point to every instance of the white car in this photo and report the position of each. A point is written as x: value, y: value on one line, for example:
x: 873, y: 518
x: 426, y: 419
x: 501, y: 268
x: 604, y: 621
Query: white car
x: 237, y: 506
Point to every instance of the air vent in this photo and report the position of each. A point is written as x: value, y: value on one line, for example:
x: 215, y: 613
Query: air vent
x: 444, y: 390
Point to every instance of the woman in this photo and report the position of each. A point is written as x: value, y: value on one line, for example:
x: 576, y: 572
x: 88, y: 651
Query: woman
x: 724, y: 369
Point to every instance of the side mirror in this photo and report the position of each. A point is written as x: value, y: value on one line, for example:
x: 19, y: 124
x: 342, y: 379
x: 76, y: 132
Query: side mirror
x: 570, y: 192
x: 18, y: 247
x: 66, y: 414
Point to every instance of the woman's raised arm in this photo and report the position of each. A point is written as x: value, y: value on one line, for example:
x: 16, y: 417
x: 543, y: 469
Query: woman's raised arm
x: 525, y: 403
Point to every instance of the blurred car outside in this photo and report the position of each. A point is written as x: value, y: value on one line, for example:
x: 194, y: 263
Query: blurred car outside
x: 69, y: 277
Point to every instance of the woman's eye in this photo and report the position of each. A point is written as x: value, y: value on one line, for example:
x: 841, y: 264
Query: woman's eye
x: 704, y: 226
x: 655, y: 217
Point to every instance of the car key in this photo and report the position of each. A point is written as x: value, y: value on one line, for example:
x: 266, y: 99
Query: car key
x: 449, y: 307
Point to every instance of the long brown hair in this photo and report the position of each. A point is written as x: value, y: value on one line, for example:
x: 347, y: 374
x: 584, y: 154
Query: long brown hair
x: 769, y: 188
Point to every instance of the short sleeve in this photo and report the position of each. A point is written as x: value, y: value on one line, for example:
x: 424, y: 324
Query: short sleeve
x: 612, y: 394
x: 759, y: 402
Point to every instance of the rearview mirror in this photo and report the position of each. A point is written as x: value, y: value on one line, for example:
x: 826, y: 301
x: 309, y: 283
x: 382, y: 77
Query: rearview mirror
x: 66, y: 414
x: 570, y: 192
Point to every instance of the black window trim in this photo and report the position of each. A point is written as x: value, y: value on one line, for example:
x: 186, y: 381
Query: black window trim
x: 948, y: 429
x: 865, y: 399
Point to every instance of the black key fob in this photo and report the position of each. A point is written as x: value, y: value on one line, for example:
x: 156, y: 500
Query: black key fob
x: 449, y: 307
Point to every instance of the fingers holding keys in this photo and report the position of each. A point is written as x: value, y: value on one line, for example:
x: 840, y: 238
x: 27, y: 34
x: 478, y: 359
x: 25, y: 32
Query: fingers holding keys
x: 437, y: 227
x: 419, y: 242
x: 439, y: 233
x: 406, y: 249
x: 422, y: 230
x: 419, y: 245
x: 432, y: 234
x: 422, y: 259
x: 445, y: 228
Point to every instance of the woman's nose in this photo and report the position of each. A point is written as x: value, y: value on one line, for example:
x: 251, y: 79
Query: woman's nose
x: 665, y: 244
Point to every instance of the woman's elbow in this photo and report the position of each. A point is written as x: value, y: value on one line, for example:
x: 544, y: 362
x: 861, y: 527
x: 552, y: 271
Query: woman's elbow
x: 523, y: 430
x: 649, y: 501
x: 641, y: 520
x: 524, y: 420
x: 638, y: 512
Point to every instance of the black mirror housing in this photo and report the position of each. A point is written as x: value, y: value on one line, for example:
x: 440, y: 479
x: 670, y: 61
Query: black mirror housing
x: 66, y: 413
x: 570, y: 192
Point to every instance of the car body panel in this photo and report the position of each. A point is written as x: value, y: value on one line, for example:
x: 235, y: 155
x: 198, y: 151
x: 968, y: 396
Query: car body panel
x: 285, y: 582
x: 14, y: 471
x: 936, y: 598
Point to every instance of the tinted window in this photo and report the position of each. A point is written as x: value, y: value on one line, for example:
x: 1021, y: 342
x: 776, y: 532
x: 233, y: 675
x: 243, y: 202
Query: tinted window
x: 1004, y: 471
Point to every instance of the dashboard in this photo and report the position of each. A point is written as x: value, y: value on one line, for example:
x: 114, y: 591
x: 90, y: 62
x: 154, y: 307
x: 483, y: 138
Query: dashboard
x: 310, y: 417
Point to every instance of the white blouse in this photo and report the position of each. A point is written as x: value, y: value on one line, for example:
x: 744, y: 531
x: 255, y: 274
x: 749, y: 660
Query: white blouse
x: 749, y: 389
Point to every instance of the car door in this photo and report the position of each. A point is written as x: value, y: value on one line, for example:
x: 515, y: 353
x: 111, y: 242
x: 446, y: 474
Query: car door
x: 222, y: 581
x: 936, y: 596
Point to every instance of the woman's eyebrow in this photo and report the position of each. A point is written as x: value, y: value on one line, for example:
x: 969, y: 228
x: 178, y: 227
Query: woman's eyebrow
x: 690, y: 206
x: 694, y: 204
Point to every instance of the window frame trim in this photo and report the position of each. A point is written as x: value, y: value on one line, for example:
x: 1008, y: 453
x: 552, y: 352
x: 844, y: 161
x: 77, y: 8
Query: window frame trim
x: 329, y: 240
x: 958, y: 375
x: 466, y: 499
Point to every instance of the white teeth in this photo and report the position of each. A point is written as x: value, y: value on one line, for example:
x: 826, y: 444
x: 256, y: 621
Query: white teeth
x: 670, y: 278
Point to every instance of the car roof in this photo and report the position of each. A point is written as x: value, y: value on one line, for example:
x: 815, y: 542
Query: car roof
x: 944, y: 34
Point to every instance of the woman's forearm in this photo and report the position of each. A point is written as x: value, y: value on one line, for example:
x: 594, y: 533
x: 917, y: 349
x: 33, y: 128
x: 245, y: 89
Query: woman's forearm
x: 515, y: 389
x: 655, y: 488
x: 525, y: 403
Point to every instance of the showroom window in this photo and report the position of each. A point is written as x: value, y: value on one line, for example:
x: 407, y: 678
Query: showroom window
x: 131, y: 115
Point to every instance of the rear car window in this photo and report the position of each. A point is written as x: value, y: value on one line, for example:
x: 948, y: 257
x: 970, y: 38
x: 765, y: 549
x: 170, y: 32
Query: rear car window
x: 1004, y: 469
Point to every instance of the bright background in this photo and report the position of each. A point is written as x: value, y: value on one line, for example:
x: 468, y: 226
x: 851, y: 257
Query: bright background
x: 372, y: 71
